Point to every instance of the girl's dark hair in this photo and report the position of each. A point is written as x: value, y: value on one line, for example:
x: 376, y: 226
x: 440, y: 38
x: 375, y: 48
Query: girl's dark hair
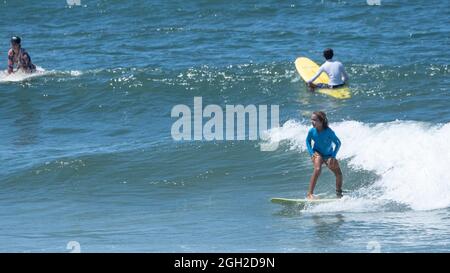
x: 328, y: 53
x: 322, y: 117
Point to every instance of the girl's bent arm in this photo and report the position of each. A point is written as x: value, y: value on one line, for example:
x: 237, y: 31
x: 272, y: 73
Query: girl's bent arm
x: 337, y: 142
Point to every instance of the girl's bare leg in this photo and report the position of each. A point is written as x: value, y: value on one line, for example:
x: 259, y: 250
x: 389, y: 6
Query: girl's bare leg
x: 333, y: 165
x: 317, y: 162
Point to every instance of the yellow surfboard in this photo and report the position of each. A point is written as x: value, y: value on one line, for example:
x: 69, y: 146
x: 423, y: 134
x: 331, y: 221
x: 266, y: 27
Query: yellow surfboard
x: 307, y: 69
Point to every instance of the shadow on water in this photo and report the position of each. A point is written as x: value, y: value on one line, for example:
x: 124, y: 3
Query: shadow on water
x: 27, y: 121
x: 327, y: 226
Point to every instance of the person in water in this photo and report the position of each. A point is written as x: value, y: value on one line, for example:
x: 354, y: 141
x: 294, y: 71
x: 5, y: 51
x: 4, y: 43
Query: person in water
x: 19, y: 57
x: 323, y: 152
x: 334, y: 69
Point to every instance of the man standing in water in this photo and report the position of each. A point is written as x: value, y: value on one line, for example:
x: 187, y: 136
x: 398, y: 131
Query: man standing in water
x: 323, y: 151
x: 19, y: 57
x: 334, y: 69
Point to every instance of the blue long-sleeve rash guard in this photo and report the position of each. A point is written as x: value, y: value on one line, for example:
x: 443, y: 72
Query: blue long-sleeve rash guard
x: 323, y: 142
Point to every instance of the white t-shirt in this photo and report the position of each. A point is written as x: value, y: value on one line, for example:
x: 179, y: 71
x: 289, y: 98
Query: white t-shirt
x: 335, y: 71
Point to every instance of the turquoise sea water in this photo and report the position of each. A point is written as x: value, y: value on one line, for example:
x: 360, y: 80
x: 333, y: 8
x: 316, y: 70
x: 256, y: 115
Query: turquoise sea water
x: 87, y: 153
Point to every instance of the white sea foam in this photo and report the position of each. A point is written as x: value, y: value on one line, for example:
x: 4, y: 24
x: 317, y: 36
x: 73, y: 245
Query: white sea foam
x: 20, y: 76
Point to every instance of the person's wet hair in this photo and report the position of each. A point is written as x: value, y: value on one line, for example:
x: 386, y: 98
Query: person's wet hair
x: 328, y: 53
x: 322, y: 117
x: 15, y: 40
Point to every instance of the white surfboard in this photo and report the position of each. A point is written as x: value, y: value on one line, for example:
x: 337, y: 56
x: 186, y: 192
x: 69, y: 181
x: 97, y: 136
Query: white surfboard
x: 289, y: 201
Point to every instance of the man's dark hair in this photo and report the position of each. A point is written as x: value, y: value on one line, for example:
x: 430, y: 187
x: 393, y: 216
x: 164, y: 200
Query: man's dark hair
x: 328, y: 54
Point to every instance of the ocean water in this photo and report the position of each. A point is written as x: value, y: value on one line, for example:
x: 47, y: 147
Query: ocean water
x: 88, y: 159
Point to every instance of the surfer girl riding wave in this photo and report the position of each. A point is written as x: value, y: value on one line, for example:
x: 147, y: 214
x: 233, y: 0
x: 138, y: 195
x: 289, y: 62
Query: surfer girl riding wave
x: 323, y: 152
